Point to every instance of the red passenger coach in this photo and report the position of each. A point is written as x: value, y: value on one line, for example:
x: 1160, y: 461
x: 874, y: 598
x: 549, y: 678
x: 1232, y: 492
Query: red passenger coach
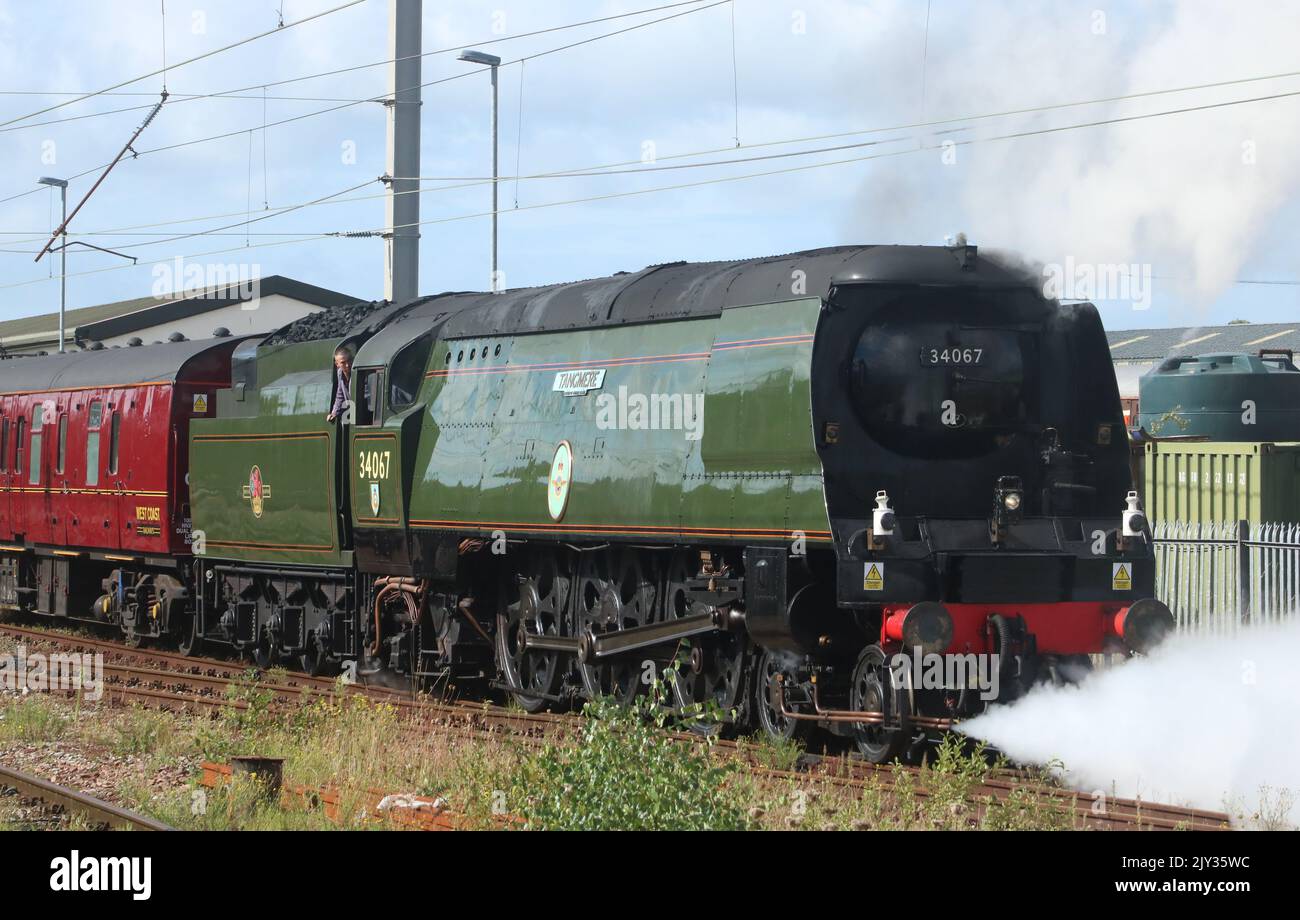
x: 94, y: 501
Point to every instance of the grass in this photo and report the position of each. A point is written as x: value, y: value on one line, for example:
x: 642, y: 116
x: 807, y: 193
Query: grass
x: 626, y: 773
x: 621, y: 770
x: 772, y: 753
x: 1273, y: 810
x: 33, y: 719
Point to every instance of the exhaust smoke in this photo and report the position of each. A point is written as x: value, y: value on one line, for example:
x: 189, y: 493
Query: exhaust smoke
x: 1207, y: 721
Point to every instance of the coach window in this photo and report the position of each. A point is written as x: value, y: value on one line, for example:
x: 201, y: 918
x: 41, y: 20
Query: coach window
x: 63, y: 444
x: 20, y: 432
x: 92, y: 443
x: 34, y: 453
x: 114, y: 434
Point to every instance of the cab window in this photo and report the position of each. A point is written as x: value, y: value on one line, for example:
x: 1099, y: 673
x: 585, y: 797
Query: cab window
x: 370, y: 395
x: 408, y: 373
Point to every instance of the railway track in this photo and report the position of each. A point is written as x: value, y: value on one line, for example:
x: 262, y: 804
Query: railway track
x: 61, y: 800
x: 170, y: 681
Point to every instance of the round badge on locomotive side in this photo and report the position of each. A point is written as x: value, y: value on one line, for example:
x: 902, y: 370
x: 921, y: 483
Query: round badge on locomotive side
x: 557, y: 487
x: 256, y: 492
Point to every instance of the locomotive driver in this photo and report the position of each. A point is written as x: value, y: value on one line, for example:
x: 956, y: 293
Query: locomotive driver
x: 343, y: 381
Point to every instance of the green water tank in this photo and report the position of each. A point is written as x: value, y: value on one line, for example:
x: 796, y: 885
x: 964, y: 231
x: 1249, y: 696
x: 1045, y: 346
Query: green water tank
x: 1223, y: 397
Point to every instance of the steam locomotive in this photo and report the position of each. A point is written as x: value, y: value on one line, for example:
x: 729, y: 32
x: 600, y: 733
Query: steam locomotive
x: 784, y: 483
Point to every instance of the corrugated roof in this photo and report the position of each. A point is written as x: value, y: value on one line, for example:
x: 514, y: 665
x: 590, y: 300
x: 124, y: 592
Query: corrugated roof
x: 1157, y: 344
x: 49, y: 322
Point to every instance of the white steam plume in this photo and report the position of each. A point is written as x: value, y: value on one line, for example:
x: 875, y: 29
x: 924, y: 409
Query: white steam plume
x: 1191, y: 196
x: 1210, y: 722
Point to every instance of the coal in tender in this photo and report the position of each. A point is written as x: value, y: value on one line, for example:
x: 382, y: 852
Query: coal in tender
x: 334, y: 323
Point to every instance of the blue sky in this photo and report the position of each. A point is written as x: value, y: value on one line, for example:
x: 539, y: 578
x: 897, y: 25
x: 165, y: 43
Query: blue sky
x: 1198, y: 200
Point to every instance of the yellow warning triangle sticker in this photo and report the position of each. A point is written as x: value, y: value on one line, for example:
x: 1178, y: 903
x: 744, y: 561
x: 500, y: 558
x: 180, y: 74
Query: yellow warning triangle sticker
x: 874, y: 580
x: 1122, y: 579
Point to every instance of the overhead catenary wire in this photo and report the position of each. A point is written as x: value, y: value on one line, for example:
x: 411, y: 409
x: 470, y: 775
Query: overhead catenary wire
x: 612, y: 168
x: 681, y: 186
x: 386, y: 97
x: 225, y: 231
x: 735, y: 72
x: 192, y: 98
x: 519, y: 132
x: 237, y: 93
x: 607, y: 169
x: 935, y: 123
x: 571, y: 174
x: 476, y: 181
x: 204, y: 56
x: 164, y: 45
x: 249, y: 209
x: 266, y: 182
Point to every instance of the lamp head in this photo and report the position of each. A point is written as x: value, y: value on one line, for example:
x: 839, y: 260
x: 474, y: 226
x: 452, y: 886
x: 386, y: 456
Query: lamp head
x: 478, y: 57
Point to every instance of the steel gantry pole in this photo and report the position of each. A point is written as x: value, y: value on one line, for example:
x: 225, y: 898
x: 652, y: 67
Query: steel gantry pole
x: 402, y: 279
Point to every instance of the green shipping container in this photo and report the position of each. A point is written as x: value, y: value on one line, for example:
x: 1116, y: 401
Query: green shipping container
x: 1220, y: 481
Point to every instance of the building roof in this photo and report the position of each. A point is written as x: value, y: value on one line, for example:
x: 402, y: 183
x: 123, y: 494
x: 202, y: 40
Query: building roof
x: 1246, y: 338
x: 91, y: 324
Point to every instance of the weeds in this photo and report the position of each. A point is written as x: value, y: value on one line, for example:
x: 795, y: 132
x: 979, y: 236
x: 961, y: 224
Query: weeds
x: 620, y: 770
x: 34, y: 719
x: 627, y: 774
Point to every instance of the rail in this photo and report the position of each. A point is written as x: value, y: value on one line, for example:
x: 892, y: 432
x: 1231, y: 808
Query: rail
x: 62, y: 798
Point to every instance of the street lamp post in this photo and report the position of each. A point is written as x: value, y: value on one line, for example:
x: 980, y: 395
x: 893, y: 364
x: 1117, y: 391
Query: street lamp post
x: 62, y: 186
x: 491, y: 60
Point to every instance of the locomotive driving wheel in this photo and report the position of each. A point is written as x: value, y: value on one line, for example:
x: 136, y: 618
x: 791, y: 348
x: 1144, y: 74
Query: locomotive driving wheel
x: 708, y: 669
x: 872, y: 690
x: 614, y: 593
x: 771, y: 667
x: 536, y: 612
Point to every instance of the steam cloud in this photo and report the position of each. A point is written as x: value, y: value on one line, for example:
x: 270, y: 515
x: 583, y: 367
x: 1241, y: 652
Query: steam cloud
x: 1194, y: 195
x: 1207, y: 721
